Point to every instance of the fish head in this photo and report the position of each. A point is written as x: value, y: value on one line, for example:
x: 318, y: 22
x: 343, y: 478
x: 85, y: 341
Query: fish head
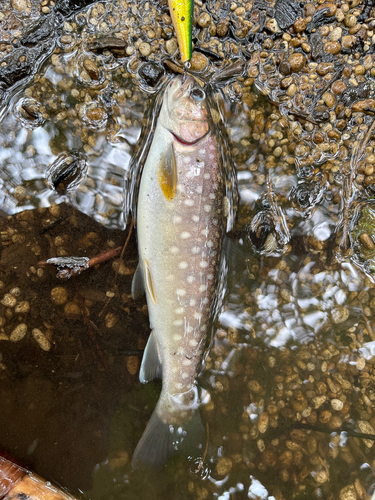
x: 187, y: 115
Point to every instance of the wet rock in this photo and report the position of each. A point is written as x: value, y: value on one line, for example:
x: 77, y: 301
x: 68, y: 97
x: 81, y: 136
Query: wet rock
x: 92, y: 69
x: 320, y: 18
x: 111, y: 43
x: 297, y: 62
x: 171, y: 46
x: 321, y: 114
x: 365, y: 105
x: 18, y: 333
x: 69, y: 7
x: 44, y: 29
x: 59, y: 295
x: 259, y: 230
x: 287, y: 12
x: 199, y: 62
x: 67, y: 171
x: 18, y: 5
x: 145, y: 49
x: 41, y: 339
x: 151, y: 73
x: 204, y: 20
x: 340, y: 314
x: 222, y: 27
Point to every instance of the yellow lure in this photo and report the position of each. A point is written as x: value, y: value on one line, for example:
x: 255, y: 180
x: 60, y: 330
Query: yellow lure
x: 182, y: 14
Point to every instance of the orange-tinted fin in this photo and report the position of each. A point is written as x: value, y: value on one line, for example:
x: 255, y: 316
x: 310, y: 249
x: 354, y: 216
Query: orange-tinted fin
x: 167, y: 175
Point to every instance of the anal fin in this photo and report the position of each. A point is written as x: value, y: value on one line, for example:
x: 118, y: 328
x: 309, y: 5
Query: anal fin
x: 151, y: 365
x: 138, y: 288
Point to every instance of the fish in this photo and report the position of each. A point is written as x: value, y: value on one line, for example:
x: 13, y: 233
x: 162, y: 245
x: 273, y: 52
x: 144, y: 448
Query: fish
x: 180, y: 226
x: 182, y: 15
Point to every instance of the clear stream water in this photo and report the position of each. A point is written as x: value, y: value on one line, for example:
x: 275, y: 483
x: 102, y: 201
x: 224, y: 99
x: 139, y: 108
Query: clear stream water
x: 288, y: 316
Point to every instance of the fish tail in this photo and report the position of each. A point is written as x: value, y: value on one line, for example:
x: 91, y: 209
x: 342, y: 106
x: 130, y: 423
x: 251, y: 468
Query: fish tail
x: 161, y: 440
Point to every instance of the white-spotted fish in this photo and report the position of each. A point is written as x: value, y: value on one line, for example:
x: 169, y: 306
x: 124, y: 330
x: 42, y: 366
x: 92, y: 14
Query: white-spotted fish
x: 180, y: 231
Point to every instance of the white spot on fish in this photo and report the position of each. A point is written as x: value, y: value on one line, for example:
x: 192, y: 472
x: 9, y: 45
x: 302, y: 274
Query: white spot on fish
x: 178, y: 385
x: 205, y: 300
x: 210, y: 276
x: 189, y: 203
x: 183, y: 265
x: 204, y: 263
x: 196, y: 218
x: 173, y: 250
x: 205, y: 232
x: 187, y: 362
x: 199, y: 189
x: 195, y: 249
x: 189, y: 175
x: 174, y: 369
x: 189, y: 329
x: 211, y: 156
x: 178, y: 322
x: 212, y: 196
x: 169, y: 277
x: 177, y: 338
x: 179, y: 310
x: 203, y: 288
x: 185, y: 376
x: 193, y: 343
x: 206, y: 176
x: 190, y: 279
x: 209, y: 243
x: 192, y: 302
x: 177, y: 219
x: 181, y: 291
x: 207, y: 208
x: 203, y: 328
x: 185, y: 235
x: 197, y: 316
x: 180, y: 187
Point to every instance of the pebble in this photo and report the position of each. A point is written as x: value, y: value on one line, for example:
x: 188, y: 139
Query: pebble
x: 18, y: 333
x: 72, y: 310
x: 332, y: 47
x: 145, y: 49
x: 198, y: 62
x: 224, y: 466
x: 22, y: 307
x: 171, y: 46
x: 348, y: 41
x: 338, y: 87
x: 41, y: 339
x: 92, y: 69
x: 263, y: 422
x: 340, y: 314
x: 19, y: 193
x: 111, y: 320
x: 204, y: 20
x: 9, y: 300
x: 297, y: 61
x: 132, y: 364
x: 366, y: 241
x: 337, y: 405
x: 96, y: 114
x: 336, y: 34
x: 366, y: 104
x: 18, y: 5
x: 222, y: 27
x: 59, y: 295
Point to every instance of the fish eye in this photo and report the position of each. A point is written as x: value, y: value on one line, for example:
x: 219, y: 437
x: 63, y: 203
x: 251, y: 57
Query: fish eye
x: 198, y: 94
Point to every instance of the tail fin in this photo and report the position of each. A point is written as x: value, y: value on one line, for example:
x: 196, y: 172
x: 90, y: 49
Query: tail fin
x: 160, y: 441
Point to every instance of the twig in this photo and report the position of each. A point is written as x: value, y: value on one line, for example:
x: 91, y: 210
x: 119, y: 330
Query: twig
x: 356, y: 156
x: 66, y: 272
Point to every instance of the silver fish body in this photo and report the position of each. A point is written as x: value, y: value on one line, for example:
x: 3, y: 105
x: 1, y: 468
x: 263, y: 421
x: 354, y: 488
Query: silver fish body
x: 180, y: 231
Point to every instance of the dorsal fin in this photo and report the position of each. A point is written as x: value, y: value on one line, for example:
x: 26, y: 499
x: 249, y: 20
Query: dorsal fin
x: 167, y: 174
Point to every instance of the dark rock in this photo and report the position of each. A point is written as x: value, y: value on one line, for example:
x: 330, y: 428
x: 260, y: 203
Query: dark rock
x: 42, y: 30
x: 287, y: 12
x: 67, y: 171
x: 303, y: 196
x: 259, y: 229
x: 111, y: 43
x: 151, y: 73
x: 69, y: 7
x: 321, y: 114
x: 319, y: 18
x: 352, y: 94
x: 23, y: 62
x: 317, y: 46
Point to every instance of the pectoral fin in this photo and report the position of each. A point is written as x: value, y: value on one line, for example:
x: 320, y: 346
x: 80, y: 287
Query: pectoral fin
x: 138, y: 288
x: 151, y: 365
x: 167, y: 174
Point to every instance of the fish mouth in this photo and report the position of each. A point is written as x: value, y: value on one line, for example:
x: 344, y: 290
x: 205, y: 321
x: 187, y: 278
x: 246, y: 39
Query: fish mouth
x: 185, y: 143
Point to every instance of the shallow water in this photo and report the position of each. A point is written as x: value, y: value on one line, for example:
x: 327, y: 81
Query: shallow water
x: 288, y: 380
